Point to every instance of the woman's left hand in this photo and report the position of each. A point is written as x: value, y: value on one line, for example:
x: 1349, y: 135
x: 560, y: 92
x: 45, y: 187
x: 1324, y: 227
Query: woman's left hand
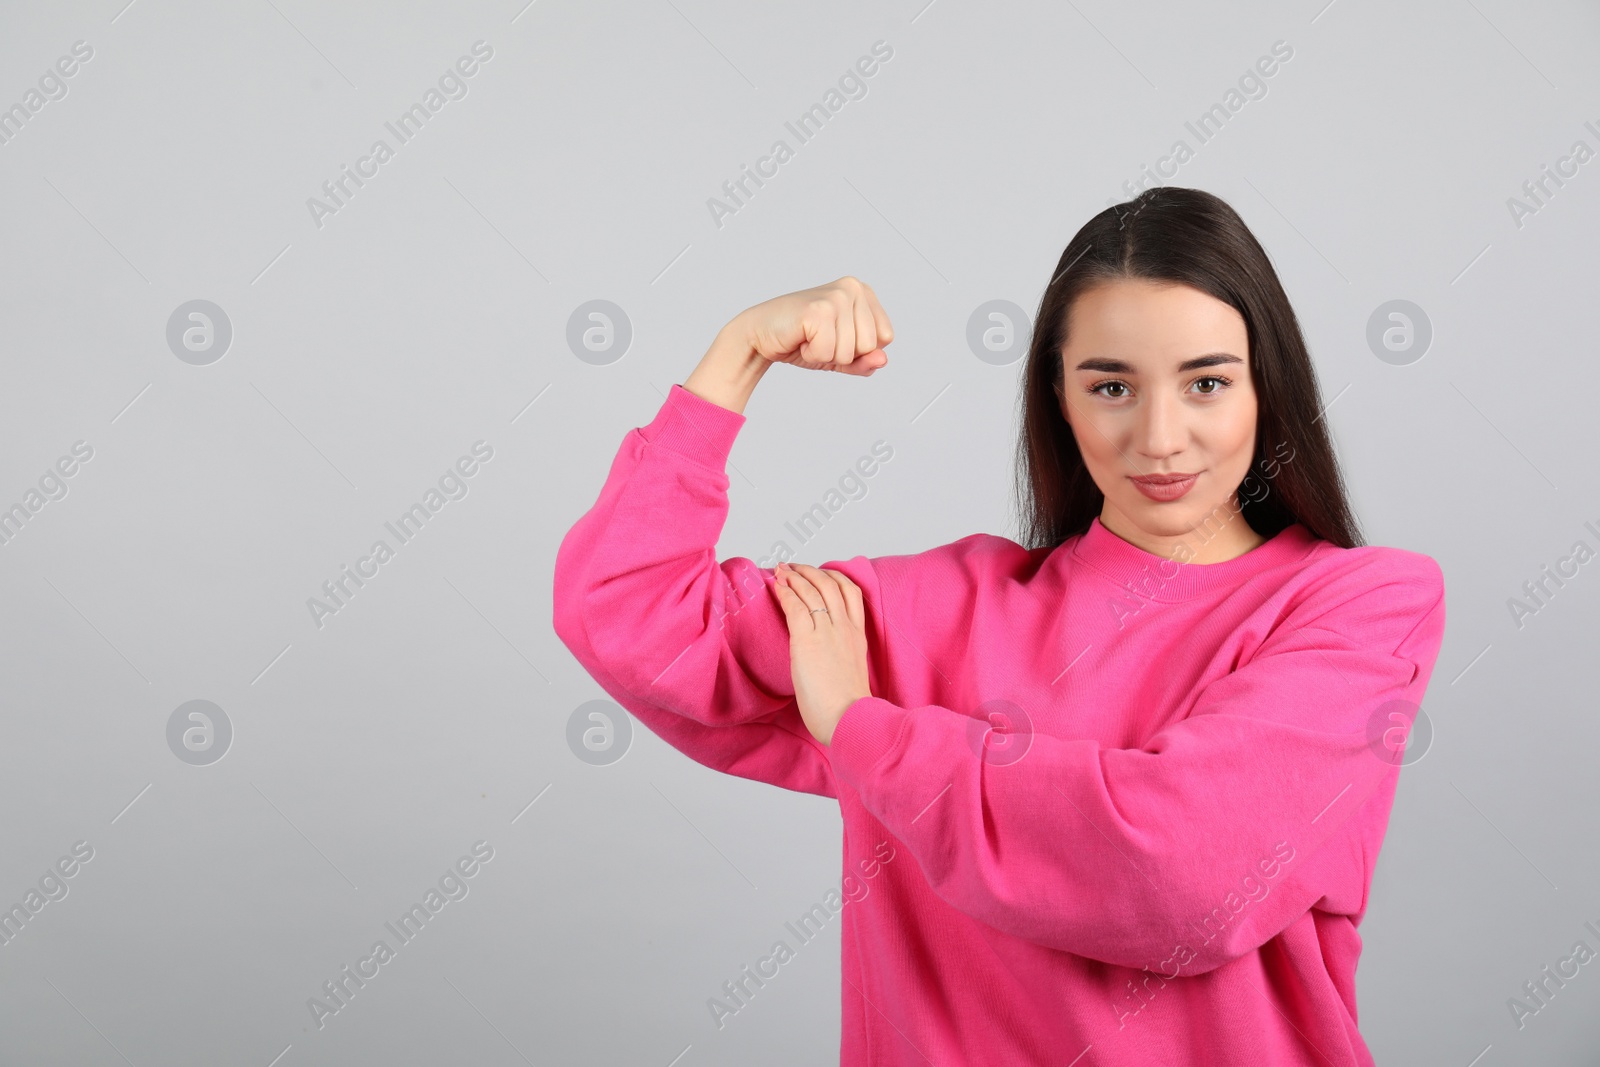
x: 827, y: 650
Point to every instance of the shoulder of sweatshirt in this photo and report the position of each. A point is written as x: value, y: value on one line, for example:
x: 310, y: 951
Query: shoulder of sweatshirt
x: 1330, y: 575
x: 1385, y: 598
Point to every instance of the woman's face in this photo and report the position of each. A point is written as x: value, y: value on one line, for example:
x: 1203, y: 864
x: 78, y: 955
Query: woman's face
x: 1156, y: 380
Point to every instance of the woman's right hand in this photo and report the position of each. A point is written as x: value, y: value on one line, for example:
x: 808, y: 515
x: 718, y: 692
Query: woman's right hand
x: 839, y: 326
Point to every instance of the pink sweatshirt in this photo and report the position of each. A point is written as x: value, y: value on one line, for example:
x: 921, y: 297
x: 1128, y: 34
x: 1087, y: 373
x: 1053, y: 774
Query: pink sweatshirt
x: 1159, y: 855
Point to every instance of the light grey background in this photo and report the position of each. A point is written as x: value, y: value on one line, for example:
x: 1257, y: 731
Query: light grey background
x: 431, y: 312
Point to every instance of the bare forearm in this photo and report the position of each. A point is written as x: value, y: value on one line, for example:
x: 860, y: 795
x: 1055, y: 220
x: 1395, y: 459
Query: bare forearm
x: 728, y: 372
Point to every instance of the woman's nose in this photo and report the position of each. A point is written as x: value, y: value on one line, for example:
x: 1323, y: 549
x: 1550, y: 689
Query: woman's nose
x: 1161, y: 430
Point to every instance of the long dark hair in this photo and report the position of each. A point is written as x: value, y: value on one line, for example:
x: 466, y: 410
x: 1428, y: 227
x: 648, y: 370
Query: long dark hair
x: 1173, y: 234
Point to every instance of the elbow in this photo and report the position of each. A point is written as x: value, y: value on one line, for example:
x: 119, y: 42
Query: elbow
x: 569, y: 592
x: 1194, y: 954
x: 1157, y: 942
x: 1169, y: 935
x: 567, y: 622
x: 1145, y: 933
x: 606, y: 638
x: 1204, y: 934
x: 592, y: 618
x: 1124, y: 927
x: 602, y: 650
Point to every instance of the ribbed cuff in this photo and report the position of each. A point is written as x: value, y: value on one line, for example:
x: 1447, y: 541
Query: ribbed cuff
x: 695, y: 427
x: 869, y: 730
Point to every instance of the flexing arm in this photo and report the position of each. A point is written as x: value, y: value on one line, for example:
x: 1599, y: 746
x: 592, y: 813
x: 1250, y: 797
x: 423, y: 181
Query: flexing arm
x: 698, y: 649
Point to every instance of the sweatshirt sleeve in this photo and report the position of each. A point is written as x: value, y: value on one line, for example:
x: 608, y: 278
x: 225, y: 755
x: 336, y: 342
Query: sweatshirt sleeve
x: 696, y: 649
x: 1125, y: 855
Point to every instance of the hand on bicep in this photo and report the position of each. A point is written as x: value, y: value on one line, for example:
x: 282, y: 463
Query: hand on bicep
x: 827, y: 643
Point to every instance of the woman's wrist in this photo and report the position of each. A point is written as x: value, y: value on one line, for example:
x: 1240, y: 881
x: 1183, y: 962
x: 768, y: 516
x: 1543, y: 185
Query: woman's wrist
x: 728, y: 372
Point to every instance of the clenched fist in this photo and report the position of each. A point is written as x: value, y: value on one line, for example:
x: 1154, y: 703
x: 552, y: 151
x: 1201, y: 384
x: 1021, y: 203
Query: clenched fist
x: 839, y: 326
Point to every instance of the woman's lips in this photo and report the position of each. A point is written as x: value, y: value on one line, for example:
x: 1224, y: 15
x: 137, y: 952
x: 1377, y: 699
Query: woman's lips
x: 1165, y: 487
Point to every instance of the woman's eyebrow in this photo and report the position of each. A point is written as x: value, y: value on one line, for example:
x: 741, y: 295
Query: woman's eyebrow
x: 1117, y: 366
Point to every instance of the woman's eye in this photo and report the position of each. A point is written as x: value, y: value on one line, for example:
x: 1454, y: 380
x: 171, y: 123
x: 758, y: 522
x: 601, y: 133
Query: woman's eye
x: 1222, y: 383
x: 1108, y: 385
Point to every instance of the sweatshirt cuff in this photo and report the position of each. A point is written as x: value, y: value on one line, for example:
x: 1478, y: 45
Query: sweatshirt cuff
x: 694, y: 427
x: 869, y: 730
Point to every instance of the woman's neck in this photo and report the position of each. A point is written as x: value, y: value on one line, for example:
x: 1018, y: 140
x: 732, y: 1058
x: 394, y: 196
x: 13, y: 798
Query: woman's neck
x: 1221, y: 535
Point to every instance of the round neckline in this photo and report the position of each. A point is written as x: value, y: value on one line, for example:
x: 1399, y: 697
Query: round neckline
x: 1154, y: 577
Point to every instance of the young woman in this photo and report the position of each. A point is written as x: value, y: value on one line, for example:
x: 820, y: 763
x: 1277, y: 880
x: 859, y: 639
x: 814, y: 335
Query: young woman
x: 1120, y: 788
